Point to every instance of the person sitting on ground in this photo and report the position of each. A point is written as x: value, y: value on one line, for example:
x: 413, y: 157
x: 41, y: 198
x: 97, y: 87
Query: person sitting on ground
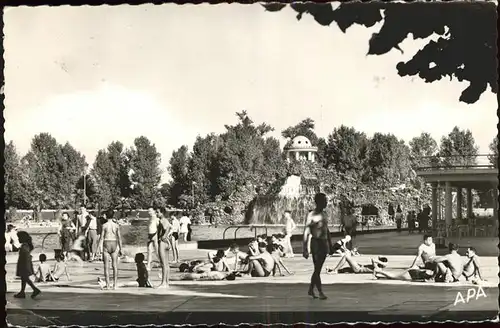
x: 412, y: 274
x: 472, y: 268
x: 340, y: 247
x: 450, y: 266
x: 261, y: 265
x: 216, y: 262
x: 78, y: 249
x: 277, y: 252
x: 262, y: 238
x: 240, y: 258
x: 277, y: 242
x: 60, y: 268
x: 253, y: 247
x: 43, y: 273
x: 142, y: 275
x: 426, y: 251
x: 355, y: 267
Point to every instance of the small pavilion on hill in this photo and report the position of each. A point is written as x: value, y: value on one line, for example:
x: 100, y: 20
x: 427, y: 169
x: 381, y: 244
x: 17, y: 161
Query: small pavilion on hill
x: 456, y: 178
x: 301, y: 149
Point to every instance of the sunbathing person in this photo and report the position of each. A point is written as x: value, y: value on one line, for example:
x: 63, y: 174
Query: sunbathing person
x: 261, y: 265
x: 340, y: 247
x: 414, y: 274
x: 215, y: 262
x: 426, y: 251
x: 142, y: 275
x: 215, y: 268
x: 253, y: 247
x: 240, y: 258
x: 450, y: 266
x: 471, y: 267
x: 277, y: 252
x: 355, y: 267
x: 43, y: 273
x: 60, y: 269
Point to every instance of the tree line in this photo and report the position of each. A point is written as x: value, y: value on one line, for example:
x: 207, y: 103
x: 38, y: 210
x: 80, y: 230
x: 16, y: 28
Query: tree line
x: 51, y: 175
x: 231, y: 166
x: 245, y: 160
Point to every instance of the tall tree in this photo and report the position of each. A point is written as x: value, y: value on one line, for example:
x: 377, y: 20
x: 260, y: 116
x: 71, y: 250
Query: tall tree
x: 241, y: 159
x: 346, y: 150
x: 463, y: 53
x: 73, y: 171
x: 321, y: 155
x: 494, y: 151
x: 178, y: 169
x: 458, y: 148
x: 387, y: 160
x: 46, y: 172
x: 145, y: 162
x: 421, y: 149
x: 110, y: 174
x: 14, y: 185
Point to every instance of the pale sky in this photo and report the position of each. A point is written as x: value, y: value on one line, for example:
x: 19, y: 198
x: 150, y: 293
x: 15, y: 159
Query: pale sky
x: 92, y: 75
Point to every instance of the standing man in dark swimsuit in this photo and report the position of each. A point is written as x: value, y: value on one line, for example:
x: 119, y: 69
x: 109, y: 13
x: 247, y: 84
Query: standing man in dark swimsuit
x: 317, y: 242
x: 111, y: 245
x: 152, y: 245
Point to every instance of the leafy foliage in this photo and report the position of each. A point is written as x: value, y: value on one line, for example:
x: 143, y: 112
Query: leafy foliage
x: 461, y: 145
x: 144, y: 163
x: 110, y: 174
x: 178, y: 169
x: 421, y: 150
x: 466, y: 48
x: 52, y: 173
x: 346, y: 150
x: 387, y: 160
x: 15, y: 180
x: 494, y: 151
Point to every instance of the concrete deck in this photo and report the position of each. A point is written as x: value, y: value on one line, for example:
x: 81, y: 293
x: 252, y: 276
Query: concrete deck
x: 352, y: 298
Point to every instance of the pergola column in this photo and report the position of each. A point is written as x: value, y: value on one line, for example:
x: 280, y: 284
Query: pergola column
x: 459, y: 203
x: 297, y: 155
x: 312, y: 156
x: 448, y: 203
x: 309, y: 156
x: 469, y: 203
x: 434, y: 208
x: 495, y: 206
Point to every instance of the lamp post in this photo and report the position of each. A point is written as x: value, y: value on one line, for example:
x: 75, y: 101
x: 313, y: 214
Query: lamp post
x: 192, y: 192
x: 85, y: 185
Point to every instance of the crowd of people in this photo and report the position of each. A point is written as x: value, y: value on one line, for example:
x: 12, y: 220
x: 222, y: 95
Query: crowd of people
x: 88, y: 238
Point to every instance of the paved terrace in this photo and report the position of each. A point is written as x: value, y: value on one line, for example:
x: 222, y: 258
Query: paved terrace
x: 352, y: 297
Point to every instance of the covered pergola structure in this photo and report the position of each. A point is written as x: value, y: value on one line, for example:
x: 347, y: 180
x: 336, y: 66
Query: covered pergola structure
x: 456, y: 178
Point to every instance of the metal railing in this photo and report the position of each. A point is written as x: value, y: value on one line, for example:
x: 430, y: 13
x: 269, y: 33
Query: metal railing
x: 253, y: 227
x: 462, y: 162
x: 46, y: 236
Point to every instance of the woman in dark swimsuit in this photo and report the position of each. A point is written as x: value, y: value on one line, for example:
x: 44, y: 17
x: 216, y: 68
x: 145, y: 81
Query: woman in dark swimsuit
x: 317, y: 242
x: 163, y: 231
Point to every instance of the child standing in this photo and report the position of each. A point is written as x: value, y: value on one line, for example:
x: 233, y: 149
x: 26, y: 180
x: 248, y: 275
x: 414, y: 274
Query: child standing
x: 25, y: 265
